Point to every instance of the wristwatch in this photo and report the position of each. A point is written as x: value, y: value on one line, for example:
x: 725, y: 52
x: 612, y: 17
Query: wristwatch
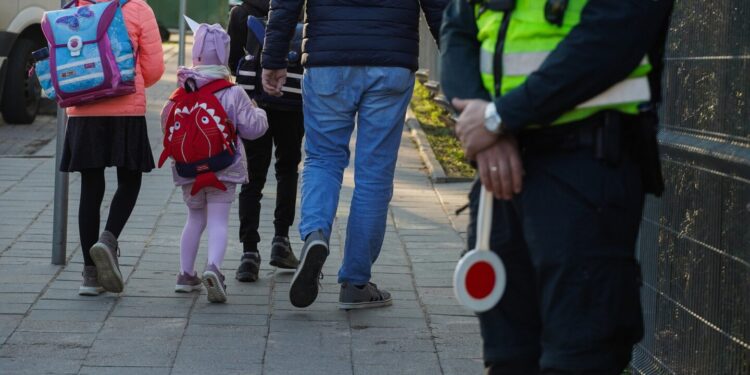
x: 492, y: 121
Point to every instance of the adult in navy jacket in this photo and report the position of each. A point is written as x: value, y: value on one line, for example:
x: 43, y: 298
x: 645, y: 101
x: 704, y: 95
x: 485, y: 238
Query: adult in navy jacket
x: 360, y: 57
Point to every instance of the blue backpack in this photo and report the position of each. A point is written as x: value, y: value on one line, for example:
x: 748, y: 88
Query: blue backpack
x: 89, y: 55
x: 249, y: 69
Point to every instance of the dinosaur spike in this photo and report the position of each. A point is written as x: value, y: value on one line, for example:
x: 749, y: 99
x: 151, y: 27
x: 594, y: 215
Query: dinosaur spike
x: 211, y: 111
x: 185, y: 109
x: 222, y: 127
x: 203, y: 105
x: 217, y: 119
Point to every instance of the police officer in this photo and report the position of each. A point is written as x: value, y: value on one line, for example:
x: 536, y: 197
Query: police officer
x: 557, y: 109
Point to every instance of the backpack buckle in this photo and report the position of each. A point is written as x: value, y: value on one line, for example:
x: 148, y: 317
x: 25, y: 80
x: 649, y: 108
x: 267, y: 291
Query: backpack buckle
x: 75, y: 44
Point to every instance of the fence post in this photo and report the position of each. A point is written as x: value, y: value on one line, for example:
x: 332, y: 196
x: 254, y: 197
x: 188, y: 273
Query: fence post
x: 60, y: 214
x: 181, y: 23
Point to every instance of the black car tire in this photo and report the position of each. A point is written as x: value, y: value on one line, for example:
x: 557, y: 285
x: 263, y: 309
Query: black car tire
x: 21, y: 94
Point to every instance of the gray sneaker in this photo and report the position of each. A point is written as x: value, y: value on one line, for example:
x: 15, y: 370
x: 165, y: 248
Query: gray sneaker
x: 187, y: 283
x: 105, y: 253
x: 90, y: 285
x: 282, y: 255
x: 304, y: 288
x: 214, y: 282
x: 368, y: 296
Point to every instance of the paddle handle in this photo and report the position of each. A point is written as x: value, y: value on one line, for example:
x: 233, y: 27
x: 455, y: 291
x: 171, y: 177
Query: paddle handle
x: 484, y: 219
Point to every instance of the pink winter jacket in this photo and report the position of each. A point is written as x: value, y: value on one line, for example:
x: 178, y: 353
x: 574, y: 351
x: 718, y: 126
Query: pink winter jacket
x: 144, y: 33
x: 250, y: 121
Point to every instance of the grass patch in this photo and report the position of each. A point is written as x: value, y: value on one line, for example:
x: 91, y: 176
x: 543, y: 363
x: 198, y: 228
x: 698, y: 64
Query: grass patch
x: 444, y: 144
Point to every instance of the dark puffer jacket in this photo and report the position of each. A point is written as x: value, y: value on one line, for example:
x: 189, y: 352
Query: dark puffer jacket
x: 351, y: 32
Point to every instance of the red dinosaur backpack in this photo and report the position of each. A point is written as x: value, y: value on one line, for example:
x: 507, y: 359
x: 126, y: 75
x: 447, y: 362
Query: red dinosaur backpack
x: 198, y: 135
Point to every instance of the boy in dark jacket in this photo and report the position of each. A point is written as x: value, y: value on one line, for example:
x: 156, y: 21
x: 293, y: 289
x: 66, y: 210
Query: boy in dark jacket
x: 285, y: 131
x: 359, y: 58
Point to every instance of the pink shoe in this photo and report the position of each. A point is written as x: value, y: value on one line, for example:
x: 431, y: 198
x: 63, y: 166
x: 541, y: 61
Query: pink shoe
x: 214, y: 282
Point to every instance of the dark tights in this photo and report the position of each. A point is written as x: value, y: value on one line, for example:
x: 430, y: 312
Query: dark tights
x: 92, y: 194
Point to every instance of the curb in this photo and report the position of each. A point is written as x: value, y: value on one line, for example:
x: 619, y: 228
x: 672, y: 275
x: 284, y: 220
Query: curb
x: 435, y: 170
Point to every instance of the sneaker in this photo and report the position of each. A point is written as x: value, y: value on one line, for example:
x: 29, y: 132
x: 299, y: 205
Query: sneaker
x: 105, y: 253
x: 248, y: 269
x: 214, y: 282
x: 365, y: 297
x: 304, y: 288
x: 187, y: 283
x: 90, y: 285
x: 282, y: 255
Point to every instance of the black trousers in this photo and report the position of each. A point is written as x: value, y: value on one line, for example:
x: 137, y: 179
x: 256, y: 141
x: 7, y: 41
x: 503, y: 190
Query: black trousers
x: 571, y: 304
x: 92, y: 194
x: 285, y: 131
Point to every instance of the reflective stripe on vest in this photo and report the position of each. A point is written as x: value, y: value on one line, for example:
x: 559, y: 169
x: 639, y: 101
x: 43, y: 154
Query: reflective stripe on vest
x: 530, y: 39
x: 523, y: 64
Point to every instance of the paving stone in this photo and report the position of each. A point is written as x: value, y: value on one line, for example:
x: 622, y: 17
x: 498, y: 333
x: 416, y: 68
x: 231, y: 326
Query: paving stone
x: 82, y: 304
x: 36, y: 366
x: 66, y: 339
x: 119, y: 327
x: 461, y: 366
x: 59, y: 326
x: 150, y: 352
x: 100, y: 370
x: 233, y: 319
x: 68, y: 315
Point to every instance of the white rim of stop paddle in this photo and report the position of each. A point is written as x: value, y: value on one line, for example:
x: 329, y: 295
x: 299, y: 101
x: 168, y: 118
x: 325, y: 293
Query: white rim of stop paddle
x: 459, y: 280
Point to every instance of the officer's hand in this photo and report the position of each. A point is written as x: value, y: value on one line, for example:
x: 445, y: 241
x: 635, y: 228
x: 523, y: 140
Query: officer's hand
x: 470, y: 126
x: 500, y: 168
x: 273, y: 81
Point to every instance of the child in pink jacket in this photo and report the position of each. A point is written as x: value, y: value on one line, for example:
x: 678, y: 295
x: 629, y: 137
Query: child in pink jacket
x: 112, y: 133
x: 209, y: 208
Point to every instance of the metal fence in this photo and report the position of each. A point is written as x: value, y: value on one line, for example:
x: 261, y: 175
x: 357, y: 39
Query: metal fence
x: 695, y: 241
x: 694, y: 244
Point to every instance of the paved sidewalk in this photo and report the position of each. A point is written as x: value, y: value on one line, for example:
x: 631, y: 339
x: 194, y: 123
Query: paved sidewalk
x: 45, y: 327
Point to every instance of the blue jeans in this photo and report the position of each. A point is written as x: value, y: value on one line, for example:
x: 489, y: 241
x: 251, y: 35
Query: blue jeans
x: 377, y: 97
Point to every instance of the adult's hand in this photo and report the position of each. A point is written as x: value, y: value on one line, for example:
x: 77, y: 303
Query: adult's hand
x: 500, y: 168
x: 273, y: 81
x: 470, y: 128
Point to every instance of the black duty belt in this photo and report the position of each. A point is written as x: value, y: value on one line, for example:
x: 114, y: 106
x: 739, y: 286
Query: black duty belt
x: 608, y: 133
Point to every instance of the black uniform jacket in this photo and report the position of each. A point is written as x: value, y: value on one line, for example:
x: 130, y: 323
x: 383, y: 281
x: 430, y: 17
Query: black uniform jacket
x: 603, y: 49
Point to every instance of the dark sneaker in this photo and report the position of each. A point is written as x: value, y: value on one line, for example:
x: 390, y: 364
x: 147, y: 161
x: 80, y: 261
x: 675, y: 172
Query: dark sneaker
x: 214, y: 282
x: 365, y: 297
x: 304, y: 288
x: 90, y: 285
x: 187, y: 283
x: 282, y: 255
x: 105, y: 253
x: 248, y: 269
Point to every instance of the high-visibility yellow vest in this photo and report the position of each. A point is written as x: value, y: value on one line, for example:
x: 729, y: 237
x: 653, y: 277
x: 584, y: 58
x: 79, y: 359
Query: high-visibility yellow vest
x: 530, y: 38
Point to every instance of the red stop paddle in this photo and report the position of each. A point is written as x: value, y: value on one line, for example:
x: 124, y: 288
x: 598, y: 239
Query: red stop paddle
x: 479, y: 278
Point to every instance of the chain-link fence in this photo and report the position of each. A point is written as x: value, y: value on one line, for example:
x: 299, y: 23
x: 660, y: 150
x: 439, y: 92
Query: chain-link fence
x: 694, y: 245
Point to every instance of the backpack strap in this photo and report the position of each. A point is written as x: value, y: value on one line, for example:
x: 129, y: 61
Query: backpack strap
x: 258, y: 27
x: 216, y: 86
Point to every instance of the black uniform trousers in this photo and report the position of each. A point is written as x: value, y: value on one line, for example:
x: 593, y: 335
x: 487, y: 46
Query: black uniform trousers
x: 285, y: 132
x: 572, y: 304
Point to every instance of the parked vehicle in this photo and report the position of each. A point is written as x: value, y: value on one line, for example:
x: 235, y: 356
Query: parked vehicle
x: 20, y: 34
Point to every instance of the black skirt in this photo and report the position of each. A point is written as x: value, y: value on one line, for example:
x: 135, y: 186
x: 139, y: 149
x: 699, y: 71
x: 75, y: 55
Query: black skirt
x: 96, y: 142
